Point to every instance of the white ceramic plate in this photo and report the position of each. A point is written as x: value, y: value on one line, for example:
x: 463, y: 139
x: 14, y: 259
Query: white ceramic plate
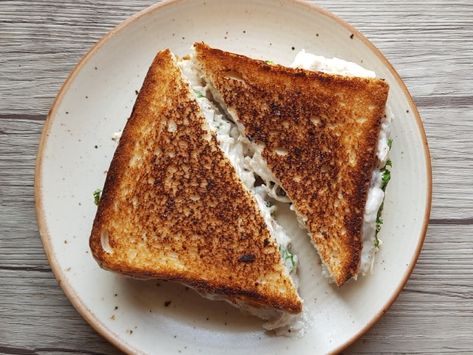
x: 76, y: 149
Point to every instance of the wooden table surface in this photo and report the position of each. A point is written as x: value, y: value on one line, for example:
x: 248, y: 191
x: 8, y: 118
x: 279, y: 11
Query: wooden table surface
x: 430, y: 43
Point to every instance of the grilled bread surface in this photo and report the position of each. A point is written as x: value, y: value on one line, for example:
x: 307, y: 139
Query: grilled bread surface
x: 173, y: 207
x: 320, y: 135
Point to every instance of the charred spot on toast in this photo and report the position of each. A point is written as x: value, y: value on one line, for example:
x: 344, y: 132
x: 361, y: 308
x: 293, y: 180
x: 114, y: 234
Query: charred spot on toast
x: 247, y: 258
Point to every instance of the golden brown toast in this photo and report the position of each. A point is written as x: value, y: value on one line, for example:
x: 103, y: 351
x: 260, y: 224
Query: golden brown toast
x: 320, y: 135
x: 173, y: 207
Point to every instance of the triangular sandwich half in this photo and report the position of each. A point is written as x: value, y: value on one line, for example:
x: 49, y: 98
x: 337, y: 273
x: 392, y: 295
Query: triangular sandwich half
x: 317, y: 134
x: 174, y: 208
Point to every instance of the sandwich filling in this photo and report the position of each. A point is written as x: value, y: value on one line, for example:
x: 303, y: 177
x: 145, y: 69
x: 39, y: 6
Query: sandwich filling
x: 252, y: 170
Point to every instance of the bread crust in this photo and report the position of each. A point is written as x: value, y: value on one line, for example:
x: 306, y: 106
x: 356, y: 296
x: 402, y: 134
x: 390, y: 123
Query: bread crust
x: 320, y: 135
x: 173, y: 207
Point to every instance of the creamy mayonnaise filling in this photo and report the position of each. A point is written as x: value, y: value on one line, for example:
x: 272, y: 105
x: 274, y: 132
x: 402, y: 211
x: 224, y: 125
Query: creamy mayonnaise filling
x: 375, y: 197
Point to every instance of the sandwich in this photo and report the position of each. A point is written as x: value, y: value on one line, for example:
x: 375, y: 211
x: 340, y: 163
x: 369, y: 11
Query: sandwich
x: 178, y: 205
x: 312, y: 140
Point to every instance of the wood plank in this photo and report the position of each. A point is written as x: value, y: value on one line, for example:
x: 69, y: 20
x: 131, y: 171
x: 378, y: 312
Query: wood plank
x: 451, y: 149
x: 41, y: 41
x: 20, y: 245
x: 37, y: 317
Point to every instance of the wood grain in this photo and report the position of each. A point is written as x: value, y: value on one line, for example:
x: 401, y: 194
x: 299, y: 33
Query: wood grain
x: 429, y: 42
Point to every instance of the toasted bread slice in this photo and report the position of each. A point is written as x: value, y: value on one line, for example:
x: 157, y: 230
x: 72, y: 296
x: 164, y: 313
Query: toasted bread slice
x: 173, y: 207
x: 319, y: 135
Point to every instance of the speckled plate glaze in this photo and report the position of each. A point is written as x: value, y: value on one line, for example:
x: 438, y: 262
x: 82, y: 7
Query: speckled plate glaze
x: 76, y: 149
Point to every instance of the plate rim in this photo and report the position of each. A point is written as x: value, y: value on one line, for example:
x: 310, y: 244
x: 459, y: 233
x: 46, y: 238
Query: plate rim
x: 88, y: 315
